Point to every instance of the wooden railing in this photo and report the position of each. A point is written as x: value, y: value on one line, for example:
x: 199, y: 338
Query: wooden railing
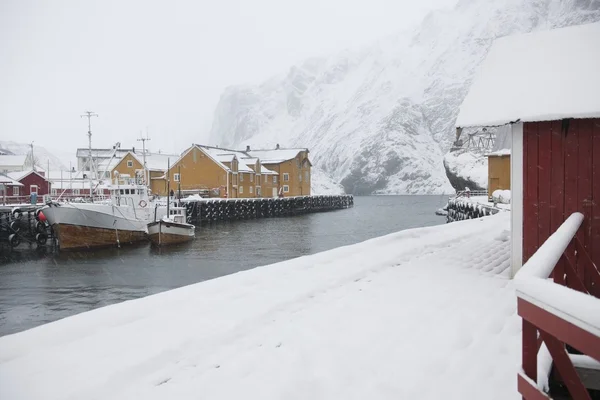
x: 558, y: 313
x: 471, y: 193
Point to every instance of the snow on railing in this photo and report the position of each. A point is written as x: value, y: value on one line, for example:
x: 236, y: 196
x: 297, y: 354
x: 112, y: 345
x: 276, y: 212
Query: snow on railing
x: 542, y: 263
x: 558, y: 313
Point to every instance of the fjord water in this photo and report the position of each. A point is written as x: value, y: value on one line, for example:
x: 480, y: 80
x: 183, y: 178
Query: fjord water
x: 37, y: 287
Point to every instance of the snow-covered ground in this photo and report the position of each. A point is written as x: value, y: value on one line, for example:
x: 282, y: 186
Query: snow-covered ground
x: 427, y: 313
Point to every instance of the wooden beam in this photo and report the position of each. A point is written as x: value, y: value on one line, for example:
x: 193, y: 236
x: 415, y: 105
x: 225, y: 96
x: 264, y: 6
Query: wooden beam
x: 528, y: 390
x: 564, y: 331
x: 529, y: 349
x: 565, y: 367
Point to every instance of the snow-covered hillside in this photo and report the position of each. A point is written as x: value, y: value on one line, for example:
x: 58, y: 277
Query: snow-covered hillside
x: 321, y: 183
x: 42, y: 156
x: 380, y: 119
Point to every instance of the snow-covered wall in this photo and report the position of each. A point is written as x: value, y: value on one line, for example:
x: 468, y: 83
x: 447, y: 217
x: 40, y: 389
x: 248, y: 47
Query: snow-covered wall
x: 379, y: 119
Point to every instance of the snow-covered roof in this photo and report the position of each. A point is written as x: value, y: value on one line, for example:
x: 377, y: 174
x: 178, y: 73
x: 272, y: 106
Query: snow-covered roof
x: 501, y: 152
x: 274, y: 156
x: 101, y: 153
x: 13, y: 160
x: 266, y: 171
x: 5, y: 180
x: 18, y: 175
x: 540, y: 76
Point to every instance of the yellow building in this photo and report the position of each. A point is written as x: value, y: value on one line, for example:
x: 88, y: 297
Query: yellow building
x: 292, y: 167
x: 217, y: 172
x: 498, y: 171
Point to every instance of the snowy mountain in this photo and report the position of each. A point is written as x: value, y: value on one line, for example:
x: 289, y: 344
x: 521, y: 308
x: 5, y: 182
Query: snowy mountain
x: 380, y: 119
x: 42, y: 156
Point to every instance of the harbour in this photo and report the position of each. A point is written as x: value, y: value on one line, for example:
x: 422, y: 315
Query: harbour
x: 41, y: 285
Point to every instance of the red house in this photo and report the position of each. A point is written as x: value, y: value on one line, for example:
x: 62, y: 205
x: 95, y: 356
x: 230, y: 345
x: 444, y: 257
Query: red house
x: 33, y: 182
x: 546, y: 87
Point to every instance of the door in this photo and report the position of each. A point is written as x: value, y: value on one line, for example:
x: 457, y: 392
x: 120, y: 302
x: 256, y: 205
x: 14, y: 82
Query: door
x: 274, y: 192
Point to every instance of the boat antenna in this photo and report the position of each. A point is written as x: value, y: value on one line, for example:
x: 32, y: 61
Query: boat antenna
x: 89, y: 115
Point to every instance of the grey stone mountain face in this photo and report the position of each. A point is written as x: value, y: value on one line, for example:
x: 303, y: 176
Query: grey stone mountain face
x: 381, y: 118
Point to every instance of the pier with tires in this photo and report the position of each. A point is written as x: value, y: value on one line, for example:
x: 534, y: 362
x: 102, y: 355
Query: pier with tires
x: 215, y: 210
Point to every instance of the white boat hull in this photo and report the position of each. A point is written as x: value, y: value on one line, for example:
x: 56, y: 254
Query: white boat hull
x: 82, y: 225
x: 163, y: 232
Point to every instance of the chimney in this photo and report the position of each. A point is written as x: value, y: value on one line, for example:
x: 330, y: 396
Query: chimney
x: 247, y: 148
x: 133, y: 149
x: 277, y: 147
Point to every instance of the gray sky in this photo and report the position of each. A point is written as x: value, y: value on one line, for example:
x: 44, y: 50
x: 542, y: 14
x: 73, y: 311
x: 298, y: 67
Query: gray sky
x: 162, y: 64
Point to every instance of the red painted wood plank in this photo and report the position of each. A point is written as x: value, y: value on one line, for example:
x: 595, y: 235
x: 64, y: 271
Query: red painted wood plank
x: 530, y: 206
x: 557, y: 192
x: 565, y: 367
x: 584, y: 184
x: 544, y: 180
x: 595, y: 232
x: 564, y: 331
x: 570, y: 131
x: 528, y: 390
x: 529, y: 340
x: 525, y: 251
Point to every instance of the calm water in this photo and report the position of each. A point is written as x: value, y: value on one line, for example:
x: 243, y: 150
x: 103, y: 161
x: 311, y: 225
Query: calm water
x: 38, y: 287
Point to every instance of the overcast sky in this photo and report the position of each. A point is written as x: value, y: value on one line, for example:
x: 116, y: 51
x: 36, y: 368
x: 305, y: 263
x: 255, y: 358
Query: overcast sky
x: 162, y: 64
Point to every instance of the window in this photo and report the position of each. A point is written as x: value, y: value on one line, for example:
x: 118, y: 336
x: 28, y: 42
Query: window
x: 306, y: 176
x: 274, y: 179
x: 258, y: 179
x: 286, y: 189
x: 241, y: 177
x: 15, y: 190
x: 241, y: 189
x: 76, y: 192
x: 176, y: 177
x: 54, y: 192
x: 286, y: 177
x: 251, y: 188
x: 122, y: 191
x: 33, y: 189
x: 300, y: 177
x: 266, y: 178
x: 258, y: 190
x: 129, y: 163
x: 251, y: 177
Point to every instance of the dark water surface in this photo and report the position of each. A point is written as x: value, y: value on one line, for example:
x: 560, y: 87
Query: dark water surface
x: 39, y: 287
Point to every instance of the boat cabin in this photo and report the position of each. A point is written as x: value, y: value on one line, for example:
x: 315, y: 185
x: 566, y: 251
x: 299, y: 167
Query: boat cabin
x: 125, y: 191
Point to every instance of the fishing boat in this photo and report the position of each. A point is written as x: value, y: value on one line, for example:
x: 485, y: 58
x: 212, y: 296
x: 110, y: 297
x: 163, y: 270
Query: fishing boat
x: 173, y: 227
x: 91, y: 225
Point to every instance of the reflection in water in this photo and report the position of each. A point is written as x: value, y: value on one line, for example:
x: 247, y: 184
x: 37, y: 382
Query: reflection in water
x: 38, y: 286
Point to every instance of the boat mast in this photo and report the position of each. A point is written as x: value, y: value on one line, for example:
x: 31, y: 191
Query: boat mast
x: 168, y: 185
x: 89, y: 115
x: 143, y: 140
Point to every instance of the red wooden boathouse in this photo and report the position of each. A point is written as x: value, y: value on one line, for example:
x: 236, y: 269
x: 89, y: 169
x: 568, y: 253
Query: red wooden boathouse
x: 546, y: 87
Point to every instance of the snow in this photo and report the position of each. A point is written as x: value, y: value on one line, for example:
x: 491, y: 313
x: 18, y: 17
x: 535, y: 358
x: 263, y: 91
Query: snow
x: 468, y: 165
x: 12, y: 160
x: 426, y: 313
x: 380, y: 118
x: 5, y: 180
x: 321, y: 183
x: 276, y: 156
x: 582, y: 310
x: 501, y: 196
x: 522, y: 79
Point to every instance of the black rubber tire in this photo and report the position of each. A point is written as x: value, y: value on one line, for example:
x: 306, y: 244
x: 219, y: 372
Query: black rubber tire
x: 17, y: 213
x: 15, y: 226
x: 40, y: 227
x: 14, y: 240
x: 41, y: 238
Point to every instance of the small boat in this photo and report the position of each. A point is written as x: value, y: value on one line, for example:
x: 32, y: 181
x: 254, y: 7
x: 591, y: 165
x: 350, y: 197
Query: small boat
x: 171, y: 229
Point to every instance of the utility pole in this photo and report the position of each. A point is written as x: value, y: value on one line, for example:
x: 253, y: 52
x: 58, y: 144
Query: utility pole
x: 32, y: 158
x: 143, y: 140
x: 89, y: 115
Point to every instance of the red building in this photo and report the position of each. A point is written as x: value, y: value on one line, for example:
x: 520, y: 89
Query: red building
x: 33, y: 182
x: 545, y: 86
